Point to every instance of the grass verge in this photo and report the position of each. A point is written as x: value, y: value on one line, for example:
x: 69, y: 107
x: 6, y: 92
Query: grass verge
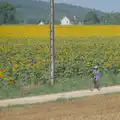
x: 64, y: 85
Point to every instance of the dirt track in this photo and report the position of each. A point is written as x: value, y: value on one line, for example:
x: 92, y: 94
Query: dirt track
x: 99, y: 107
x: 52, y: 97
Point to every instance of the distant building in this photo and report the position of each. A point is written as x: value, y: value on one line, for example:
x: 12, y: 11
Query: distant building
x: 76, y: 20
x: 41, y: 23
x: 65, y: 21
x: 105, y: 21
x: 69, y: 21
x: 80, y: 23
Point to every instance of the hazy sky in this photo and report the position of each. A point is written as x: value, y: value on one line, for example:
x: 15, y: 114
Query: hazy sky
x: 104, y: 5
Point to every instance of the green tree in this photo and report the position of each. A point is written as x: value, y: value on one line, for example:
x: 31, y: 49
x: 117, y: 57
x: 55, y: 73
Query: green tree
x: 111, y: 18
x: 7, y: 13
x: 91, y: 18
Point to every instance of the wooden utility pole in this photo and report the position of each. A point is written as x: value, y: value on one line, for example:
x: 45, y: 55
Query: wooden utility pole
x: 52, y: 61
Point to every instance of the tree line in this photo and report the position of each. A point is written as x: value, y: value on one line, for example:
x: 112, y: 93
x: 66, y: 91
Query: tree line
x: 107, y: 19
x: 8, y: 16
x: 7, y: 13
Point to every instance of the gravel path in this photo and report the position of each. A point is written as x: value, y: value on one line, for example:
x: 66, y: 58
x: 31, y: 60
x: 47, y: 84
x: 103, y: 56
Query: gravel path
x: 53, y: 97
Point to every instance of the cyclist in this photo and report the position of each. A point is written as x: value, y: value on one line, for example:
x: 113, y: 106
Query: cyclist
x: 96, y: 79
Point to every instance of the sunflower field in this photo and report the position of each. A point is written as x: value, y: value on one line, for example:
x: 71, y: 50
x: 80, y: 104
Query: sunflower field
x: 24, y: 52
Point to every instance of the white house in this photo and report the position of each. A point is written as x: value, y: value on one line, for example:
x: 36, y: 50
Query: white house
x: 41, y: 23
x: 65, y: 21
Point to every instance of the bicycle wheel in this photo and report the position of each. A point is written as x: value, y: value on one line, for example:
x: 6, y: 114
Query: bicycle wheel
x: 91, y: 85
